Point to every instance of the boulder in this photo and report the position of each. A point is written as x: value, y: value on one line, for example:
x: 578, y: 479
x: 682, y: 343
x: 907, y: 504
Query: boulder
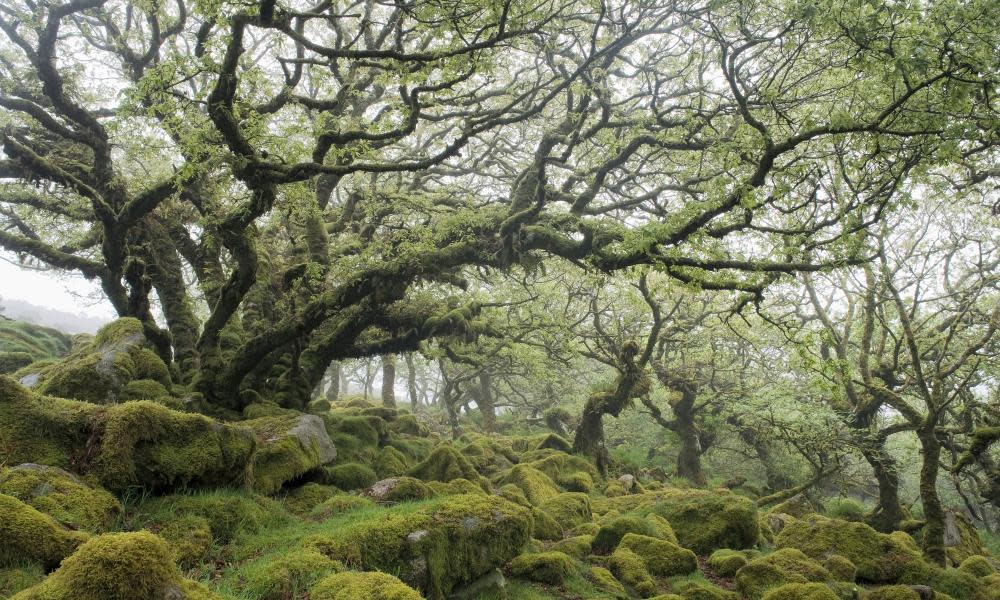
x: 432, y: 547
x: 545, y: 567
x: 362, y: 586
x: 759, y: 575
x: 61, y: 495
x: 29, y: 535
x: 123, y: 566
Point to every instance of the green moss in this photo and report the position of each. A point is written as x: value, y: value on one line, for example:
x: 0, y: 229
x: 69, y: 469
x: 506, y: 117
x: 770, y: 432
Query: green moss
x: 434, y: 545
x: 726, y: 562
x: 36, y: 429
x: 612, y: 532
x: 568, y: 509
x: 604, y: 580
x: 536, y: 485
x: 629, y: 568
x: 879, y: 558
x: 546, y: 528
x: 20, y: 576
x: 455, y: 487
x: 977, y: 566
x: 545, y: 567
x: 893, y: 592
x: 801, y: 591
x: 402, y: 489
x: 390, y: 463
x: 692, y: 589
x: 840, y: 568
x: 338, y: 505
x: 349, y: 476
x: 708, y: 520
x: 664, y: 530
x: 143, y: 389
x: 577, y: 481
x: 13, y: 361
x: 61, y: 495
x: 662, y: 558
x: 555, y: 442
x: 556, y: 464
x: 124, y: 566
x: 27, y: 534
x: 147, y: 445
x: 288, y: 447
x: 783, y: 566
x: 228, y: 512
x: 590, y: 529
x: 514, y: 494
x: 577, y: 546
x: 98, y: 371
x: 362, y: 586
x: 283, y: 575
x: 190, y: 538
x: 367, y: 430
x: 444, y: 464
x: 303, y: 499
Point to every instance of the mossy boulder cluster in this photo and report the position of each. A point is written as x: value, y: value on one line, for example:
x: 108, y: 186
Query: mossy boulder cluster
x: 104, y: 496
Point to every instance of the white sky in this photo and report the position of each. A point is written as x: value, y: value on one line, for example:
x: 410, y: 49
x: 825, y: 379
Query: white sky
x: 68, y: 292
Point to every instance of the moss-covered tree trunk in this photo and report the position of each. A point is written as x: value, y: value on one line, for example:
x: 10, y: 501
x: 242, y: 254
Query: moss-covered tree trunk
x: 389, y: 380
x: 933, y: 534
x: 689, y: 456
x: 485, y: 402
x: 411, y: 382
x: 333, y: 389
x: 888, y: 512
x: 632, y: 382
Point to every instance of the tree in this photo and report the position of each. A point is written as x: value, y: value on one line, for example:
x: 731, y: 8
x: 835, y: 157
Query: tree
x: 317, y: 169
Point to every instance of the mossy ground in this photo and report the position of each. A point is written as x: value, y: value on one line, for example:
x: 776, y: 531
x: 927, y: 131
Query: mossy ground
x: 246, y: 510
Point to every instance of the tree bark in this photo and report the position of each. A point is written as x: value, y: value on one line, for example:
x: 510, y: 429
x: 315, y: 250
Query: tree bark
x: 411, y: 382
x: 485, y: 402
x: 333, y: 390
x: 933, y: 536
x: 888, y: 512
x: 389, y: 380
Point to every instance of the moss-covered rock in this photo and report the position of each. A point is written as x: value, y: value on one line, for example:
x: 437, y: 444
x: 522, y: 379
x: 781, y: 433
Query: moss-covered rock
x: 554, y: 441
x: 629, y: 568
x: 29, y: 535
x: 612, y: 532
x: 362, y: 586
x: 708, y: 520
x: 338, y: 505
x: 228, y: 512
x: 545, y: 567
x: 801, y: 591
x: 879, y: 558
x: 190, y: 538
x: 514, y: 494
x: 301, y: 500
x: 893, y: 592
x: 961, y: 538
x: 123, y: 566
x: 778, y: 568
x: 99, y: 371
x: 434, y: 545
x: 726, y: 562
x: 605, y: 581
x: 700, y: 590
x: 444, y: 464
x: 399, y: 489
x: 569, y: 509
x: 37, y: 429
x: 798, y: 506
x: 349, y: 476
x: 977, y: 566
x: 576, y: 481
x: 840, y: 568
x: 390, y: 463
x: 13, y: 579
x: 288, y: 447
x: 546, y: 528
x: 558, y: 464
x: 536, y: 485
x: 144, y: 444
x: 455, y: 487
x: 662, y: 558
x: 61, y: 495
x: 577, y: 546
x: 286, y: 575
